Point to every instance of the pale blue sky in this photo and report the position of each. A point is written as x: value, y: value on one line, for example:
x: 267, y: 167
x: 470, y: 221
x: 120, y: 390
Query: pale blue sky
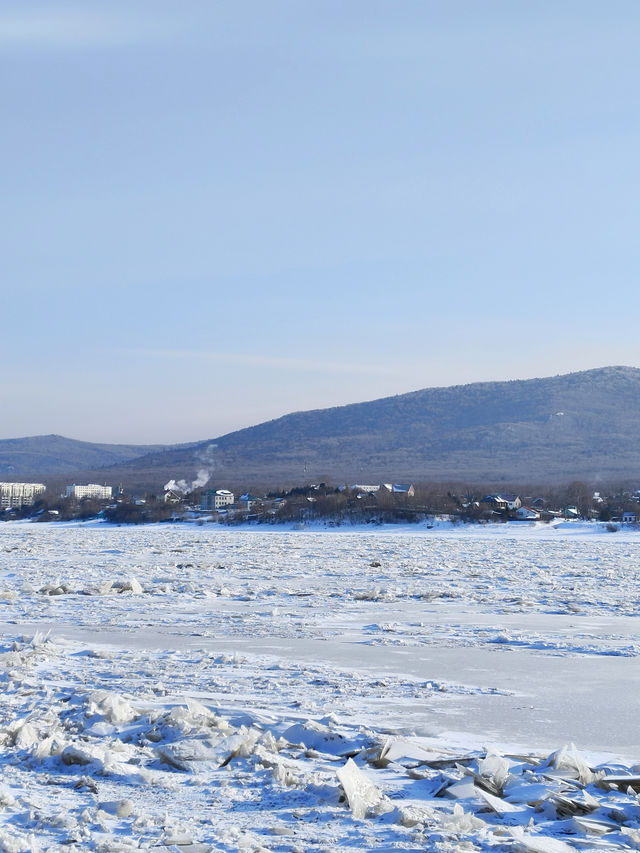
x: 214, y: 213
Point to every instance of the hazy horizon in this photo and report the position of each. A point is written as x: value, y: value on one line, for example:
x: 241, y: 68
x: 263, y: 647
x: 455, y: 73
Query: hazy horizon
x: 243, y: 426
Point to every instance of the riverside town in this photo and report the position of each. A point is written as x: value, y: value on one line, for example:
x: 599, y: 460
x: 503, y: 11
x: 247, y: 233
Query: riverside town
x: 332, y: 505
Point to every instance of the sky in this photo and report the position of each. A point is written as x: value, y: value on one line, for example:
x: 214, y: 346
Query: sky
x: 217, y: 212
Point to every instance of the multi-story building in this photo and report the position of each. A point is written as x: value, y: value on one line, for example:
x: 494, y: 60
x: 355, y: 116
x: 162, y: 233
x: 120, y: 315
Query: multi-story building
x: 19, y: 494
x: 89, y: 490
x: 216, y: 499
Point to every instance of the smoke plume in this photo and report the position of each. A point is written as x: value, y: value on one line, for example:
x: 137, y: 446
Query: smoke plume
x: 205, y: 460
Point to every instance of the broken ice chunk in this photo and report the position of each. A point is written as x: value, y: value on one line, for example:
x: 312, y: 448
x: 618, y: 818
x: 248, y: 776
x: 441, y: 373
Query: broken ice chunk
x: 314, y: 735
x: 460, y: 821
x: 74, y: 755
x: 569, y: 759
x: 539, y: 843
x: 130, y: 585
x: 111, y: 706
x: 493, y: 770
x: 361, y: 793
x: 117, y: 808
x: 502, y: 807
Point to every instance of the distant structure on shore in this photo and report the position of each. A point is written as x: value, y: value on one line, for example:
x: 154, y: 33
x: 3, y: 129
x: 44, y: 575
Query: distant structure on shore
x: 89, y: 490
x: 216, y: 499
x: 16, y: 495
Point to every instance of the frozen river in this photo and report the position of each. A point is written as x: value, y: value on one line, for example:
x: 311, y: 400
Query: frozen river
x: 133, y: 657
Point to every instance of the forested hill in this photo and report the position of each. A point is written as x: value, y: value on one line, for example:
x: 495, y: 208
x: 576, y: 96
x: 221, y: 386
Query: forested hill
x: 54, y: 454
x: 577, y: 426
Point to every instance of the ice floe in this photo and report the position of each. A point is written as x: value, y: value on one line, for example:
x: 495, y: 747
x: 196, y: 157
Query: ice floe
x: 305, y: 691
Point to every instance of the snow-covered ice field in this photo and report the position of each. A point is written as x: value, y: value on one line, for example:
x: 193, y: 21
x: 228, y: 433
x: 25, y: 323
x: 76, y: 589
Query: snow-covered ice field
x: 195, y: 688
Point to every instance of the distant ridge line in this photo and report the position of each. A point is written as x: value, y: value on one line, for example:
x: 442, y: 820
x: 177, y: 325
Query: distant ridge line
x: 581, y: 425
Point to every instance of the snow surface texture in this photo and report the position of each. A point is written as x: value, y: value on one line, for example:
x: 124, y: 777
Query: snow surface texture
x: 196, y: 689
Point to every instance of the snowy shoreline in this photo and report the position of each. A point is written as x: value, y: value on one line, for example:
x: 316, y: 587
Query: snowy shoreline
x: 429, y: 526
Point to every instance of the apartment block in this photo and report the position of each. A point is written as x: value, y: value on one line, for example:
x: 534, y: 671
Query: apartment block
x: 13, y: 495
x: 89, y: 490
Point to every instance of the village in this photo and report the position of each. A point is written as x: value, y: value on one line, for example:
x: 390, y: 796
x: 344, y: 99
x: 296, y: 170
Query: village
x: 333, y: 504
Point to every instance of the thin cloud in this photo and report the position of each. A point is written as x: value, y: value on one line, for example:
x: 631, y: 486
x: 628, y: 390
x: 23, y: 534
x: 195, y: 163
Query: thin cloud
x: 269, y: 362
x: 66, y: 29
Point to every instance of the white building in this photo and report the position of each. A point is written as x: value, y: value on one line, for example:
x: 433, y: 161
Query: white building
x: 89, y: 490
x: 216, y: 499
x: 526, y: 513
x: 19, y: 494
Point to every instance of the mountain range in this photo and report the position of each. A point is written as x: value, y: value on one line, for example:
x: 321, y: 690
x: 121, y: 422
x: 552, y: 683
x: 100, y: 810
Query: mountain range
x: 582, y: 425
x: 55, y: 454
